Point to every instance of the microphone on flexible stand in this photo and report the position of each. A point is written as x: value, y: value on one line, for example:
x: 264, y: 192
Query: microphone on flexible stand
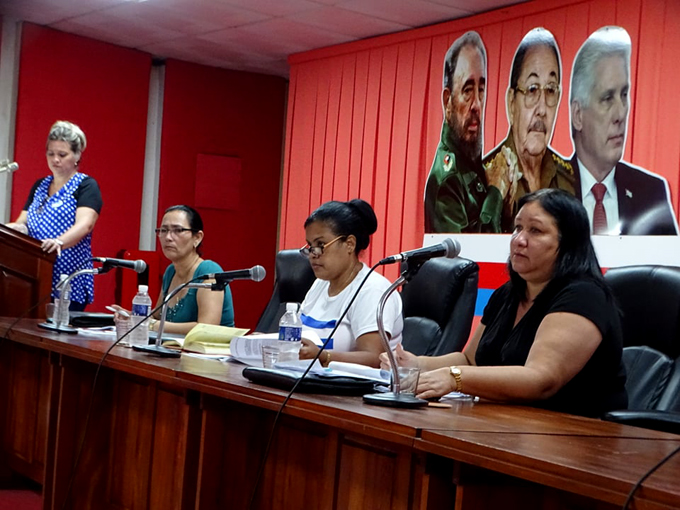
x: 449, y: 248
x: 8, y: 166
x: 139, y: 266
x: 59, y: 325
x: 414, y: 259
x: 59, y: 313
x: 255, y: 273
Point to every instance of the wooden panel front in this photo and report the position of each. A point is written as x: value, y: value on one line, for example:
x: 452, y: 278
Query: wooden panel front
x: 310, y: 465
x: 25, y: 275
x: 373, y: 475
x: 134, y: 454
x: 190, y: 433
x: 26, y: 391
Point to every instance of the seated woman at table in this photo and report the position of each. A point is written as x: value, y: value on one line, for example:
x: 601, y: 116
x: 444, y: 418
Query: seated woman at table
x: 551, y: 337
x: 337, y: 233
x: 181, y: 235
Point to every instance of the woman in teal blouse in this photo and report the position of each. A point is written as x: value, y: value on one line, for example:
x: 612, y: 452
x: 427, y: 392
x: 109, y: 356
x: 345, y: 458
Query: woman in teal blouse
x: 181, y: 235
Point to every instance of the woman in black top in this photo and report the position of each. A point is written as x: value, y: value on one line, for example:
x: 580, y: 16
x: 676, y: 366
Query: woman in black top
x: 551, y: 336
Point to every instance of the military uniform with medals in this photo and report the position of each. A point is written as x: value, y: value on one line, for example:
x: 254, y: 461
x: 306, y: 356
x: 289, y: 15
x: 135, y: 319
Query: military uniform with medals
x: 457, y: 197
x: 556, y: 172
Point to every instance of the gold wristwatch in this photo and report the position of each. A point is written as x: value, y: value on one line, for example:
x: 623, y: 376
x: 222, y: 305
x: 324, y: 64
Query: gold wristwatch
x: 456, y: 374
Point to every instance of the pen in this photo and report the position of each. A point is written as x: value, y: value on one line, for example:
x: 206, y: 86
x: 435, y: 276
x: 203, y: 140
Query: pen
x: 121, y: 312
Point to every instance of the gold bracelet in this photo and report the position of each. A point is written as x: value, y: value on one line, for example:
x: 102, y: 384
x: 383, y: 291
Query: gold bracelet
x: 328, y: 357
x: 152, y: 323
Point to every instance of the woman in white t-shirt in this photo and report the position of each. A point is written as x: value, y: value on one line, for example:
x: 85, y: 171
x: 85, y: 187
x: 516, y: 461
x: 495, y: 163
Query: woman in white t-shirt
x: 336, y: 234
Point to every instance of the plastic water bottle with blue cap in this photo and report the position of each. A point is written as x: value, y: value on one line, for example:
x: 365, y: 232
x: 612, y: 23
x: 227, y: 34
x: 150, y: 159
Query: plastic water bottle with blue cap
x: 290, y: 334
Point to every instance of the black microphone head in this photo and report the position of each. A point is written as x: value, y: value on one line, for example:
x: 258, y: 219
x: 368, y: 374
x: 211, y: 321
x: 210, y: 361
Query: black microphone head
x: 452, y: 248
x: 140, y: 266
x: 258, y: 273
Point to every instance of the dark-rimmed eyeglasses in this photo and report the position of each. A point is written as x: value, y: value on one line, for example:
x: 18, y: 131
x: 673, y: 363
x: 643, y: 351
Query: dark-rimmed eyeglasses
x: 533, y: 93
x: 317, y: 251
x: 174, y: 231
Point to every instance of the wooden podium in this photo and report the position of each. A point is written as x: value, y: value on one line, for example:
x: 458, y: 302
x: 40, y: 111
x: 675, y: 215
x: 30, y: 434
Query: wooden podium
x: 25, y: 274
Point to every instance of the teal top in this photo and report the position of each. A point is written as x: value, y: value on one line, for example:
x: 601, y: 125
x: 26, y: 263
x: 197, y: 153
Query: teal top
x: 186, y: 309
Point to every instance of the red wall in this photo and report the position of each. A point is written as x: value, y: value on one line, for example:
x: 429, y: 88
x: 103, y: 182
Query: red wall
x: 364, y: 118
x: 214, y: 111
x: 104, y: 89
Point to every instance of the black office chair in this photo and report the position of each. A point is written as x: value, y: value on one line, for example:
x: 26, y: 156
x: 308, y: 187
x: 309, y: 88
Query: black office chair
x: 649, y: 298
x: 439, y: 304
x: 293, y: 278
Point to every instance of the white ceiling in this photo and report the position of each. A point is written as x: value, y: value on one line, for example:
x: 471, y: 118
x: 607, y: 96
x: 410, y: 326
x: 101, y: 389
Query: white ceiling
x: 248, y: 35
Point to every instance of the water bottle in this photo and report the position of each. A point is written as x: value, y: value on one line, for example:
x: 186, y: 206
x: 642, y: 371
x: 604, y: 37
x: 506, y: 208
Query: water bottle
x: 290, y: 334
x: 62, y: 304
x: 141, y: 307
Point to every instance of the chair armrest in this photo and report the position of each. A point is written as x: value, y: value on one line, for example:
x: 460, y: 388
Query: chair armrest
x: 664, y: 421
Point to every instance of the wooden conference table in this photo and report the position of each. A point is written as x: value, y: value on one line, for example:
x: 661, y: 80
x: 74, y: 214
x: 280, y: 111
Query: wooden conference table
x: 189, y: 433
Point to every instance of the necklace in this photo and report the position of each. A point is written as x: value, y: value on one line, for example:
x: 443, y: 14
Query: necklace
x: 176, y: 300
x: 353, y: 273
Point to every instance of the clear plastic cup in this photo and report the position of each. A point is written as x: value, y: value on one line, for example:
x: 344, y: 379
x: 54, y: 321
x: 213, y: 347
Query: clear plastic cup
x: 49, y: 312
x: 270, y: 355
x: 123, y: 325
x: 408, y: 379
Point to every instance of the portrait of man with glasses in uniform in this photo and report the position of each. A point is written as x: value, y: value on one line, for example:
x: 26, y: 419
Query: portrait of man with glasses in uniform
x: 524, y: 158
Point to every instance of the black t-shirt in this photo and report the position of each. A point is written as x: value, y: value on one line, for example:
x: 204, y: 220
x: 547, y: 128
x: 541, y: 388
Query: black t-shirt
x: 600, y: 385
x: 87, y: 194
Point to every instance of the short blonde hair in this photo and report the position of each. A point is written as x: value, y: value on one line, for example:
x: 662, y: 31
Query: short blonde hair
x: 65, y: 131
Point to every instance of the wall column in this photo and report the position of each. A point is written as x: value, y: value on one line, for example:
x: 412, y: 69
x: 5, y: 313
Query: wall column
x: 10, y: 47
x: 152, y: 158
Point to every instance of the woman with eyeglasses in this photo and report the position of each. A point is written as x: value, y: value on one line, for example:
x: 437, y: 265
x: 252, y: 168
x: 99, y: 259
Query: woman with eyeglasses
x: 62, y: 210
x: 181, y: 235
x: 337, y: 233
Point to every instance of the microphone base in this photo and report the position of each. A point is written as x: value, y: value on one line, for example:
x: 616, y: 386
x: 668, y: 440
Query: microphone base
x: 59, y: 329
x: 158, y: 350
x: 394, y: 400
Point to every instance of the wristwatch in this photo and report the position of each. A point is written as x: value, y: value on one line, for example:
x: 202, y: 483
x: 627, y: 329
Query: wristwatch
x: 456, y: 374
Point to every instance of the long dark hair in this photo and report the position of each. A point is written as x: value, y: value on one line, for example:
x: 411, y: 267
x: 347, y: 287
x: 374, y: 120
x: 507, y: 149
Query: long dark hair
x: 355, y: 218
x: 576, y: 255
x: 194, y: 219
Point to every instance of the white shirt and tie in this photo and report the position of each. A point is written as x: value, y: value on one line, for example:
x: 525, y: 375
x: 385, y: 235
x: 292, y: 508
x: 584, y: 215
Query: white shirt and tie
x: 609, y: 206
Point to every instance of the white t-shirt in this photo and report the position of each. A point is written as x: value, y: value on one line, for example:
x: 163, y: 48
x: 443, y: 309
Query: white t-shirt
x: 320, y: 312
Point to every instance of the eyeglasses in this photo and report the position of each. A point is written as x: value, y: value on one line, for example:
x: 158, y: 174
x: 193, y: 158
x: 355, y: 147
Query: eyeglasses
x: 317, y: 251
x: 533, y: 93
x: 174, y: 231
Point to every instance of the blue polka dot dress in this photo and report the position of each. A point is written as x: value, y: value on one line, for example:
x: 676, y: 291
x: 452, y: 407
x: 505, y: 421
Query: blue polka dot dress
x: 51, y: 216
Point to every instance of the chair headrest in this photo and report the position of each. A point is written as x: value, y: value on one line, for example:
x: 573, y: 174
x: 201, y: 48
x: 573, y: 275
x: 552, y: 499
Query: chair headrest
x: 434, y: 290
x: 649, y: 297
x: 294, y: 275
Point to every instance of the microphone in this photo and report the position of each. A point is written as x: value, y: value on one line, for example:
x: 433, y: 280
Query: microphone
x: 137, y: 265
x: 255, y: 273
x: 8, y: 166
x: 449, y: 248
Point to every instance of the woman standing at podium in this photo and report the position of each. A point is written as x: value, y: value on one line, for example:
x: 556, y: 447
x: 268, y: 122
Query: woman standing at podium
x: 337, y: 232
x: 62, y: 210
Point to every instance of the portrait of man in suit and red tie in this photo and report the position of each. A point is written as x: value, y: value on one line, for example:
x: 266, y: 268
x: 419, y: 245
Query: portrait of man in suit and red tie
x: 619, y: 198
